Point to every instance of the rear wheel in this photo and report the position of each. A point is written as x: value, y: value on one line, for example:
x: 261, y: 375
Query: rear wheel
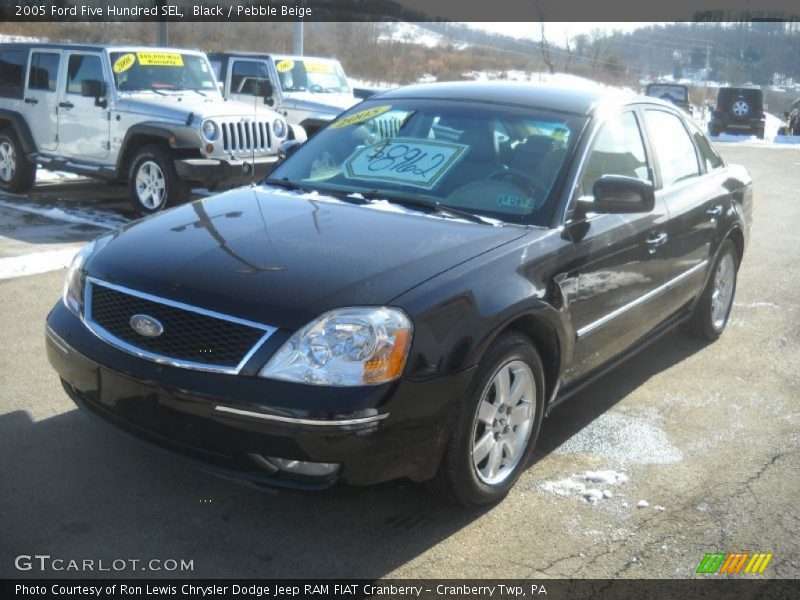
x: 17, y: 173
x: 153, y: 182
x: 496, y: 425
x: 713, y: 309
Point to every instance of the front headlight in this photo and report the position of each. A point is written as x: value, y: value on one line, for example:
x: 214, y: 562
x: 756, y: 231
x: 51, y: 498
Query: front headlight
x: 73, y: 284
x: 345, y: 347
x: 210, y: 130
x: 279, y: 128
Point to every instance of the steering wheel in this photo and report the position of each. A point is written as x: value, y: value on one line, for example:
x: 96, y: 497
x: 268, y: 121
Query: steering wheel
x: 516, y: 176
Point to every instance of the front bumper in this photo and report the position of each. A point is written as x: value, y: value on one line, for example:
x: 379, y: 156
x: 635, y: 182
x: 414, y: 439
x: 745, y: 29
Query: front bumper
x: 211, y: 172
x: 220, y: 422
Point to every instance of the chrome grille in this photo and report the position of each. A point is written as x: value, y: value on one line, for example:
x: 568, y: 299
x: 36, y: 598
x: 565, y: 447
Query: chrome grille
x: 245, y: 137
x: 192, y: 337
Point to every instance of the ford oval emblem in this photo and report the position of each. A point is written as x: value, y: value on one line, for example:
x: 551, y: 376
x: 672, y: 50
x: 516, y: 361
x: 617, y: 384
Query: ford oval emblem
x: 146, y: 325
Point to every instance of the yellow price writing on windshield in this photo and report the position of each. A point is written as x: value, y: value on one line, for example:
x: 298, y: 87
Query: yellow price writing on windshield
x: 284, y: 65
x: 160, y: 59
x: 361, y: 116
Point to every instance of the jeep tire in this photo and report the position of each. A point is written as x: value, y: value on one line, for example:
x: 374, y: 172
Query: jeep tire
x: 153, y: 182
x: 17, y: 173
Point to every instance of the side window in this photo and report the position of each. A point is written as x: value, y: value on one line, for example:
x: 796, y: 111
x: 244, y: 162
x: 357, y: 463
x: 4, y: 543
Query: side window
x: 677, y: 158
x: 618, y: 149
x: 216, y: 66
x: 12, y: 72
x: 248, y: 77
x: 707, y: 152
x: 43, y: 74
x: 82, y: 67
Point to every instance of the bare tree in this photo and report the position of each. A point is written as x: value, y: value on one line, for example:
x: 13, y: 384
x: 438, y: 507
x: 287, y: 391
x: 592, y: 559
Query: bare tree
x: 596, y: 46
x: 544, y: 46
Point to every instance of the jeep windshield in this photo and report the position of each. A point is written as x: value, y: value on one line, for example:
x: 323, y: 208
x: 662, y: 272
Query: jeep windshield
x: 157, y: 71
x: 489, y: 160
x: 314, y: 75
x: 671, y: 93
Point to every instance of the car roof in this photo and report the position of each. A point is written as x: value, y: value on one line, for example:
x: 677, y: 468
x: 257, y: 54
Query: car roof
x: 92, y: 47
x: 581, y: 101
x: 244, y: 54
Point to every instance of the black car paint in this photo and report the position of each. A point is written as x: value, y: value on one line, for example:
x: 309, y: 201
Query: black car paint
x: 461, y: 283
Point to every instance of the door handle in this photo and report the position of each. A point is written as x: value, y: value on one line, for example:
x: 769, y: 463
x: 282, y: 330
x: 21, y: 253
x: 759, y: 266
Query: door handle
x: 31, y: 101
x: 66, y: 105
x: 714, y: 213
x: 655, y: 240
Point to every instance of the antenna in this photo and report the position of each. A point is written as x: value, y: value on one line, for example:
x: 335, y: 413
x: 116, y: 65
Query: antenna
x: 255, y: 128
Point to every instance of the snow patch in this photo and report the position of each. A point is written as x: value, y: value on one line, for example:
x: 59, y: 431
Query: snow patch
x: 642, y: 504
x: 36, y: 262
x: 606, y: 477
x: 81, y: 216
x: 573, y: 486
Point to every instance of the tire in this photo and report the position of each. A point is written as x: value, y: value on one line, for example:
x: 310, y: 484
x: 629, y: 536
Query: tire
x: 760, y: 134
x: 710, y: 315
x: 740, y: 108
x: 153, y: 183
x: 17, y: 174
x: 713, y: 131
x: 481, y: 430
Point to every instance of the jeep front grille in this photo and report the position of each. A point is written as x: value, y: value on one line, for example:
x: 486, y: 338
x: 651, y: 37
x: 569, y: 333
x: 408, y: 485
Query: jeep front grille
x: 192, y: 338
x: 246, y: 137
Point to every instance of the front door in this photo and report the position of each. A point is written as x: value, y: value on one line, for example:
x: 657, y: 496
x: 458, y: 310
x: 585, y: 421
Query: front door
x: 248, y: 79
x: 83, y: 126
x: 617, y: 260
x: 41, y: 98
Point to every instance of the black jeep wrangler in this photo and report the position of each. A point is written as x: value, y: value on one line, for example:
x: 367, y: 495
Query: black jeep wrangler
x: 738, y: 110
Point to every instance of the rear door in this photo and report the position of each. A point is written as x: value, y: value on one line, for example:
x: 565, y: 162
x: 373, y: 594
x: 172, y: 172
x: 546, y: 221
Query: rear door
x: 83, y: 127
x: 41, y: 98
x: 694, y: 201
x: 618, y: 263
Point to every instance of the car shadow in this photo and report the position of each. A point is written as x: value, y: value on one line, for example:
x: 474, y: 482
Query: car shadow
x: 72, y: 487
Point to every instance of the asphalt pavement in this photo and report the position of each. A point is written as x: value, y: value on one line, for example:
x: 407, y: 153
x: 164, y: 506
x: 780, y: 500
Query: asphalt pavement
x: 687, y: 449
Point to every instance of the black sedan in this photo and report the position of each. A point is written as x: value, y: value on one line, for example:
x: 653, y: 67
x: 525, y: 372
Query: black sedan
x: 411, y: 291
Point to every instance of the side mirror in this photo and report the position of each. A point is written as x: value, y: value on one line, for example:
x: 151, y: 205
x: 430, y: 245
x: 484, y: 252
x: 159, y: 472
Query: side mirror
x: 94, y: 88
x: 287, y: 148
x: 616, y: 194
x: 268, y: 92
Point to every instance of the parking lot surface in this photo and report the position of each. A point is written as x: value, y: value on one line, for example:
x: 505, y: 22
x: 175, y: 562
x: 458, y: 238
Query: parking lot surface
x: 685, y: 449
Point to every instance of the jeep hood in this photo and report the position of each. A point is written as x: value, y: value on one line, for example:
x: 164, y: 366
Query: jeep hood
x: 283, y: 258
x: 177, y: 106
x: 332, y: 103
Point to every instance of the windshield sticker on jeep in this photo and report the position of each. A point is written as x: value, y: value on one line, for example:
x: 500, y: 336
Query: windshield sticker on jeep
x: 124, y: 62
x: 361, y: 116
x: 284, y: 65
x: 318, y: 66
x: 418, y: 163
x: 160, y: 59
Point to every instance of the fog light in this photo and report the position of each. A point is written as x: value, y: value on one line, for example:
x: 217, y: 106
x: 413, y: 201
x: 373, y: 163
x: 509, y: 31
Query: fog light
x: 300, y: 467
x: 246, y: 168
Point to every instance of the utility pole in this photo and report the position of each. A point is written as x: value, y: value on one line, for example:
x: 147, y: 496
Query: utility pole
x: 162, y: 33
x: 298, y: 38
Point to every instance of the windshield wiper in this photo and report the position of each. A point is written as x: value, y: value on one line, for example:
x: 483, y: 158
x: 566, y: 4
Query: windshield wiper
x: 428, y: 204
x: 286, y: 184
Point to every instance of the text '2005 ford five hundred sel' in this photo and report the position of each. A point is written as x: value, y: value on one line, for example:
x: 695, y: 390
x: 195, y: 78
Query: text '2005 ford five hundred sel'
x: 411, y: 291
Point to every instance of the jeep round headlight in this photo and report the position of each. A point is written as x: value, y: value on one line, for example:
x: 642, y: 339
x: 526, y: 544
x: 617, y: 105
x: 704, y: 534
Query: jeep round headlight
x: 210, y: 130
x: 279, y: 128
x: 345, y: 347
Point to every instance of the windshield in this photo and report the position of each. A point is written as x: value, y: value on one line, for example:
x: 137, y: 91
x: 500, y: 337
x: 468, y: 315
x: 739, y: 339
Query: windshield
x: 490, y: 160
x: 311, y: 75
x: 671, y: 93
x: 156, y: 71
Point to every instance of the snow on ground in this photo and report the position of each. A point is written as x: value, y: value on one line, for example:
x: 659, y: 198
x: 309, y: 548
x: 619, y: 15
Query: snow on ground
x: 36, y: 262
x: 45, y: 176
x: 410, y: 33
x: 576, y: 485
x: 83, y: 216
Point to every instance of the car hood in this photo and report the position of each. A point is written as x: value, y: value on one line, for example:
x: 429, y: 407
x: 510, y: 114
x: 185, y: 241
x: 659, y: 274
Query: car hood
x: 323, y: 103
x: 283, y: 258
x: 178, y: 107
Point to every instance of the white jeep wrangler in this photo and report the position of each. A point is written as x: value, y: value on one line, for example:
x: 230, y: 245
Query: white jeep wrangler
x: 153, y: 117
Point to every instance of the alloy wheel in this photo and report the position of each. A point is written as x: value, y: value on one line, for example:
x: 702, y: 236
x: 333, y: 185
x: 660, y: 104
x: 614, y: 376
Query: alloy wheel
x: 740, y: 108
x: 150, y: 185
x: 503, y: 422
x: 722, y: 296
x: 8, y: 161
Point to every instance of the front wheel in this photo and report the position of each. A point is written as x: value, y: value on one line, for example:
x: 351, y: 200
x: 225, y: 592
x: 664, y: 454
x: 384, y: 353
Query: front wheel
x: 713, y: 309
x: 496, y: 425
x: 153, y: 182
x: 17, y: 174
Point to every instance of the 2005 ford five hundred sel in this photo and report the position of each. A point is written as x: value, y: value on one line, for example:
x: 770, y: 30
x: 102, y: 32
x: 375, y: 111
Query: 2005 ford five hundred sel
x: 411, y: 290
